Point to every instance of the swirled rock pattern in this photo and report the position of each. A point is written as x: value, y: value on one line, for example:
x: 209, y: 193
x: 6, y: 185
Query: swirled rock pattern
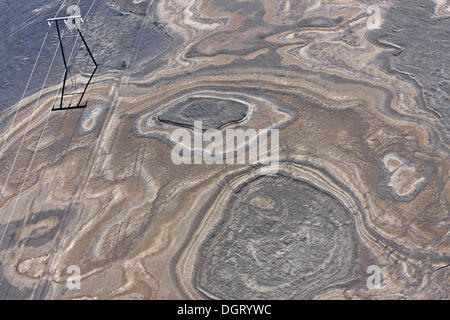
x: 359, y: 91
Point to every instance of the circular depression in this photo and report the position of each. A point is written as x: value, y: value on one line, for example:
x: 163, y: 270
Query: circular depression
x: 279, y: 238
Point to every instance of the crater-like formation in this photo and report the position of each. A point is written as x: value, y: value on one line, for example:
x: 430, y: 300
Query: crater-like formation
x: 280, y: 238
x: 90, y: 118
x: 255, y: 110
x: 398, y: 178
x: 39, y: 229
x: 216, y: 109
x: 214, y: 113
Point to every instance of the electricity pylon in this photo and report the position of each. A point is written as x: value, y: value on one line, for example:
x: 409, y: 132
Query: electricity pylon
x: 73, y: 21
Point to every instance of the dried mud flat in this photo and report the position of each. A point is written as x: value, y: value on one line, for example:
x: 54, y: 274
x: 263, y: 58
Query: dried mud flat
x: 362, y: 108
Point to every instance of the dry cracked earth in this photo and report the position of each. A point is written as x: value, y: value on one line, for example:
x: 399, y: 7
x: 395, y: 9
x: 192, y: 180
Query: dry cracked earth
x: 359, y: 91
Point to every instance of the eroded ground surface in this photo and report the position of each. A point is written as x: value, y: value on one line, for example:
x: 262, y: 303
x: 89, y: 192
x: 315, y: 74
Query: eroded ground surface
x: 358, y: 89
